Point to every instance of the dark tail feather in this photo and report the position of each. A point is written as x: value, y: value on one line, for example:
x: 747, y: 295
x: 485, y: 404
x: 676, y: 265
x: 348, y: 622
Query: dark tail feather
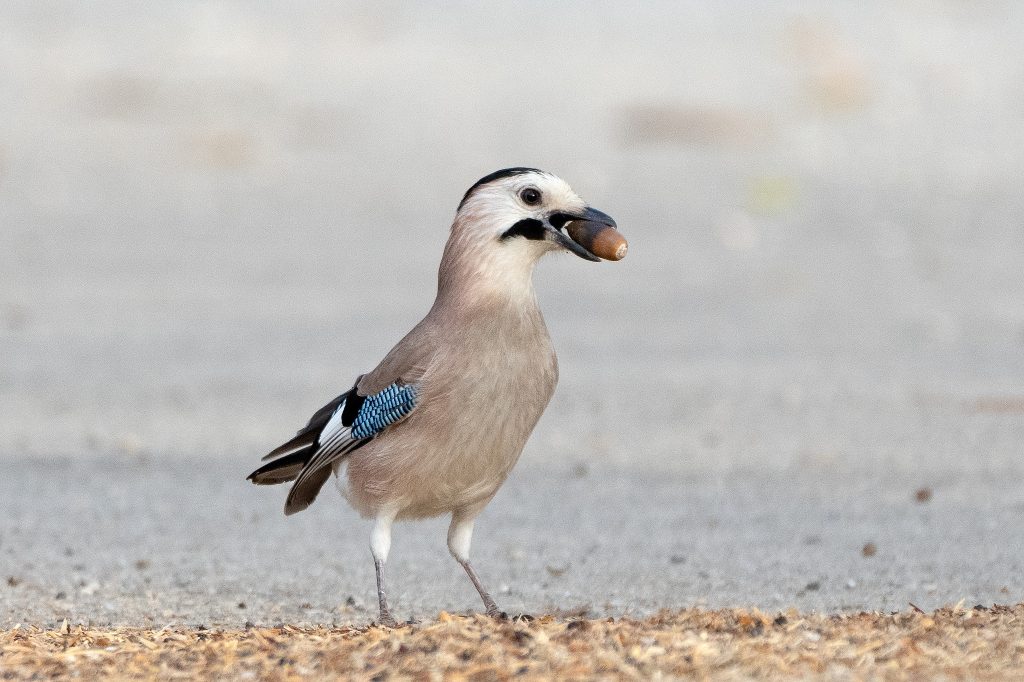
x: 304, y: 492
x: 284, y: 469
x: 299, y: 442
x: 291, y: 458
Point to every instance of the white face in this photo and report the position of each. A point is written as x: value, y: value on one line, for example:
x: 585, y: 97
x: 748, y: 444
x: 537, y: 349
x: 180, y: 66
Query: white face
x: 523, y: 211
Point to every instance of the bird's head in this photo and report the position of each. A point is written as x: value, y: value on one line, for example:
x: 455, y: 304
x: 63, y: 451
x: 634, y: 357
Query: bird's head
x: 519, y: 214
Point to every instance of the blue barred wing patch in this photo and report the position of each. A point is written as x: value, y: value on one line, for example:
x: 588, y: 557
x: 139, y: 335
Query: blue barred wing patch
x: 383, y: 409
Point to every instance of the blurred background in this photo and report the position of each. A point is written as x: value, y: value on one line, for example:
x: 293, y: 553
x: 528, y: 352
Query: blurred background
x: 213, y: 216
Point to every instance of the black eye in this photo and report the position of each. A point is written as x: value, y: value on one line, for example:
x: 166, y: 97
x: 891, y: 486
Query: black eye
x: 530, y: 196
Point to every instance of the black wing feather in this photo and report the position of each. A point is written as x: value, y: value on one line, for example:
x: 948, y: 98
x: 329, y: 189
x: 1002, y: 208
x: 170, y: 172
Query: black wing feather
x: 280, y: 470
x: 310, y: 433
x: 309, y: 456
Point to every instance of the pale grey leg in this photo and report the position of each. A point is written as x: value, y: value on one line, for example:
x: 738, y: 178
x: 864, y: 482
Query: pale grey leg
x: 492, y: 608
x: 460, y: 535
x: 385, y: 618
x: 380, y: 545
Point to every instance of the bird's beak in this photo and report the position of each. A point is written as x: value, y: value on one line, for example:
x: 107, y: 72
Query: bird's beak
x: 590, y: 234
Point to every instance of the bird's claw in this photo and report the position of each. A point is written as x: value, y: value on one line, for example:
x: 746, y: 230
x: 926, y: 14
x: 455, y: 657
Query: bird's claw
x: 386, y: 620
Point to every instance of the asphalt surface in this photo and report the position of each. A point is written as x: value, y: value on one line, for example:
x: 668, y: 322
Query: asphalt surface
x: 212, y: 219
x: 186, y: 542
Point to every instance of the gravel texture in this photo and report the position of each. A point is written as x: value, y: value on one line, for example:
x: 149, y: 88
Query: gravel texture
x: 976, y: 644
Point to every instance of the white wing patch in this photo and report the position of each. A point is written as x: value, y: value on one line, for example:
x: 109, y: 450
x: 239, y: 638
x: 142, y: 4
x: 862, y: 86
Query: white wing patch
x: 333, y: 425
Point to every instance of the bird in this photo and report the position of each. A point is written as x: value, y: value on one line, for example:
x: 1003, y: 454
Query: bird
x: 438, y: 425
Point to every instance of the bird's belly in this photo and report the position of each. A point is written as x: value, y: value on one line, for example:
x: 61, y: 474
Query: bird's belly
x: 449, y: 454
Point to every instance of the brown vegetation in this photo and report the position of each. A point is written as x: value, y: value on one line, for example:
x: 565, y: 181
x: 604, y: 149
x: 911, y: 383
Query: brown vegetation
x: 980, y: 643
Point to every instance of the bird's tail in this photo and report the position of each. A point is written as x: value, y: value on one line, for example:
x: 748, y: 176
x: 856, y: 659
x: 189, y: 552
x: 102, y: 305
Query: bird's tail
x: 287, y: 460
x: 307, y: 458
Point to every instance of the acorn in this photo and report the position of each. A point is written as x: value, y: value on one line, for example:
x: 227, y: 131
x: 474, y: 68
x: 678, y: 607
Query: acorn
x: 602, y: 240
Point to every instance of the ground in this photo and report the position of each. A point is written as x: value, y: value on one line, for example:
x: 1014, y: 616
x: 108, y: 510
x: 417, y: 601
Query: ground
x: 980, y: 643
x: 178, y: 542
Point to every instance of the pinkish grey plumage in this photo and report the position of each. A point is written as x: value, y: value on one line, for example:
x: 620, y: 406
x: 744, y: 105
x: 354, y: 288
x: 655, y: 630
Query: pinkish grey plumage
x: 486, y: 369
x: 483, y: 367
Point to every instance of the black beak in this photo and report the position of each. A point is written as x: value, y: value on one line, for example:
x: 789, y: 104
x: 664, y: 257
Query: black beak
x: 556, y: 229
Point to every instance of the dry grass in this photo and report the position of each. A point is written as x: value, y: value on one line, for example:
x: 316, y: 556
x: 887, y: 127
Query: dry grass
x: 951, y: 643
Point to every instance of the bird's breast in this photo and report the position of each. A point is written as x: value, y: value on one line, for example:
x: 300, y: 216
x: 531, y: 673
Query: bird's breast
x: 483, y: 391
x: 477, y: 409
x: 498, y: 394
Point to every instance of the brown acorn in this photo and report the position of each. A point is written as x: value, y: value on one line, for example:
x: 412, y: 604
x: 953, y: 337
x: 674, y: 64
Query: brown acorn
x: 604, y: 241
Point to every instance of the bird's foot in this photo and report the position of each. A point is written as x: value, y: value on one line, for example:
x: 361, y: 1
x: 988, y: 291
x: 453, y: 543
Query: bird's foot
x: 494, y: 612
x: 386, y: 620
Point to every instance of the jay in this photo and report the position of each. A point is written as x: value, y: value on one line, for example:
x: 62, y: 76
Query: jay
x: 437, y: 426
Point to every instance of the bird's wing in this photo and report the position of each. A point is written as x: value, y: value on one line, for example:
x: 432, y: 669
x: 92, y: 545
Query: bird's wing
x: 407, y: 362
x: 308, y: 434
x: 356, y: 421
x: 378, y: 400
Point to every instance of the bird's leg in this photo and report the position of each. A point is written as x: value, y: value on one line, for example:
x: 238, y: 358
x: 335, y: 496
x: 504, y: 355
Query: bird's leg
x: 492, y: 609
x: 380, y: 545
x: 460, y: 534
